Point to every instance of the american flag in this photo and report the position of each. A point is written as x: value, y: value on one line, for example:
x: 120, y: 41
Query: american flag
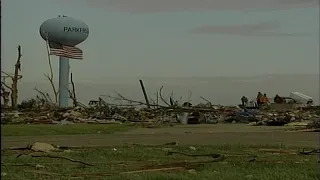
x: 65, y: 51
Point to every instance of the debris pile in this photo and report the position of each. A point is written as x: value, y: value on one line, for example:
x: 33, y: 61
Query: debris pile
x: 103, y: 113
x: 301, y: 117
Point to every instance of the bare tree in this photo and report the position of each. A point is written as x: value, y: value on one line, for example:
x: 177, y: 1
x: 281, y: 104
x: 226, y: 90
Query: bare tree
x: 15, y: 78
x: 5, y: 93
x: 72, y: 94
x: 50, y: 76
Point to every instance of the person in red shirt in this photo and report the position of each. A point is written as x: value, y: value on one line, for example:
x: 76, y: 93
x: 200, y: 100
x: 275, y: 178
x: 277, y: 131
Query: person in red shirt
x: 259, y: 98
x: 265, y: 99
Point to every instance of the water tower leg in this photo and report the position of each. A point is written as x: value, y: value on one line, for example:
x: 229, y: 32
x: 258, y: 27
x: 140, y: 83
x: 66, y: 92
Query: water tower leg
x: 63, y: 82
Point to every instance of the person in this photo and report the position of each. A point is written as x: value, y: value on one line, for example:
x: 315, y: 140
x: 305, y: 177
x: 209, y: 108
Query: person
x: 244, y: 101
x: 259, y: 97
x: 265, y: 99
x: 278, y: 99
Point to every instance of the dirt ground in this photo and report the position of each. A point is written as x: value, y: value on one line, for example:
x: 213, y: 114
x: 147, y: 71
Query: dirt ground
x: 184, y: 134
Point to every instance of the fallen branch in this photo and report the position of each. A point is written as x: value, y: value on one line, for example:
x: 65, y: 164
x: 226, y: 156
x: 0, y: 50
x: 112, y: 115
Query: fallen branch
x: 43, y: 173
x: 206, y: 100
x: 17, y: 148
x: 171, y: 143
x: 308, y: 130
x: 154, y: 170
x: 186, y: 109
x: 161, y: 97
x: 130, y: 172
x: 100, y: 174
x: 60, y: 157
x: 314, y: 151
x: 23, y: 164
x: 213, y: 155
x: 280, y: 151
x: 137, y: 103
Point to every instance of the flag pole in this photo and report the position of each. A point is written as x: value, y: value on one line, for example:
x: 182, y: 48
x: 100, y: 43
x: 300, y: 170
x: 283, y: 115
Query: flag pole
x: 63, y: 81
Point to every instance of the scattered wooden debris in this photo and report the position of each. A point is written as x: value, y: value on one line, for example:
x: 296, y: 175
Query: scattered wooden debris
x: 216, y: 156
x: 308, y: 130
x: 278, y: 151
x: 312, y: 152
x: 120, y: 109
x: 101, y: 174
x: 60, y: 157
x: 213, y: 155
x: 39, y: 150
x: 43, y: 172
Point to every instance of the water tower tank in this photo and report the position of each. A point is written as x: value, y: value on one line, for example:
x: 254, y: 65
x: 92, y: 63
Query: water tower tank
x: 64, y: 30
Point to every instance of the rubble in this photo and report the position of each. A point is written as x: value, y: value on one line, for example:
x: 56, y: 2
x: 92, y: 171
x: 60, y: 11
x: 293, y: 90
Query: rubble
x: 103, y: 113
x: 42, y: 147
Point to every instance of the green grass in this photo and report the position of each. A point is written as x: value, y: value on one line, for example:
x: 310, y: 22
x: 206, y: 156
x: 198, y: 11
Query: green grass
x: 134, y: 157
x: 54, y: 129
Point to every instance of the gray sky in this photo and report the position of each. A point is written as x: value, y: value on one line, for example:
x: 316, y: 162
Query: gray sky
x: 170, y: 38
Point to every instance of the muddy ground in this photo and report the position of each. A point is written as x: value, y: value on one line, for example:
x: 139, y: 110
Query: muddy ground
x: 184, y: 134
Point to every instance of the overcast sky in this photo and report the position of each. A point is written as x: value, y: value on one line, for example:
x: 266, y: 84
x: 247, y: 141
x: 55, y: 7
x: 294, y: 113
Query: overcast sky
x: 170, y: 38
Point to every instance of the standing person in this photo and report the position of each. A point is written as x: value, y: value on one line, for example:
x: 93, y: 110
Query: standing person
x: 278, y: 99
x: 259, y: 98
x: 244, y: 101
x: 265, y: 99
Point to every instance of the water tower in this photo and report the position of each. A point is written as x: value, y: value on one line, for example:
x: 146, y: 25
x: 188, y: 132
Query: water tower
x: 63, y: 34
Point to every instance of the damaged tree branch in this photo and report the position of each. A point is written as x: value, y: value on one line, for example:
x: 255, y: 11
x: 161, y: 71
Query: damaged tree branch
x: 144, y: 93
x: 45, y: 96
x: 120, y: 97
x: 72, y: 93
x: 15, y: 78
x: 59, y: 157
x: 161, y: 97
x: 51, y: 77
x: 213, y: 155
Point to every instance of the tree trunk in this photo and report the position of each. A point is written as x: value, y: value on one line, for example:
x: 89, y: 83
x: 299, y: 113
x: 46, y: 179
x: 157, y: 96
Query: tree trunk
x: 14, y: 94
